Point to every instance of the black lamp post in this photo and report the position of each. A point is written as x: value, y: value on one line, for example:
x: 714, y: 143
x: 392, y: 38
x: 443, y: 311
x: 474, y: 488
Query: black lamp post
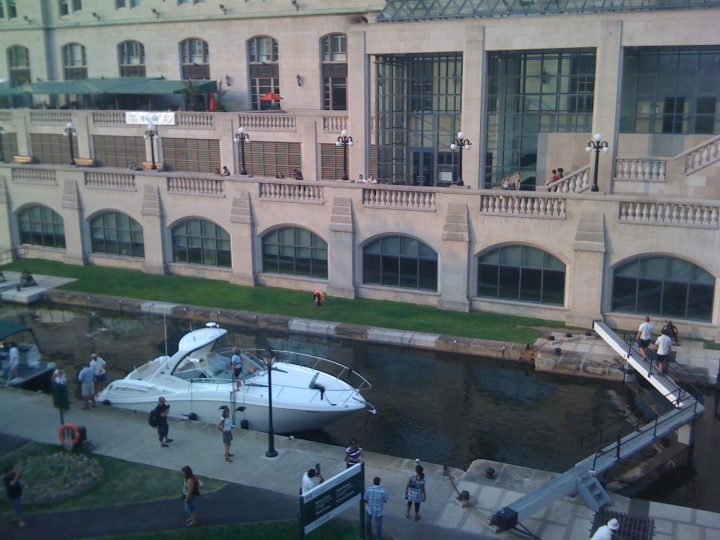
x: 70, y: 132
x: 241, y: 137
x: 2, y: 154
x: 151, y: 133
x: 460, y: 143
x: 596, y: 144
x: 269, y: 358
x: 345, y: 140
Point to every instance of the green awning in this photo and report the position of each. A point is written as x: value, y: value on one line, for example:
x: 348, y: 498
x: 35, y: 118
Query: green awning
x: 7, y: 90
x: 8, y: 328
x: 122, y: 85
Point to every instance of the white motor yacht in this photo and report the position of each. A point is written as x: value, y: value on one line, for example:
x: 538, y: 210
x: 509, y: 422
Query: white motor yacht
x: 308, y: 392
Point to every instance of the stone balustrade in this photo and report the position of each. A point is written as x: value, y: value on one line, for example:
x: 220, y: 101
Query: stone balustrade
x: 199, y: 187
x: 334, y: 124
x: 640, y: 169
x: 519, y: 204
x: 669, y: 214
x: 575, y: 182
x: 112, y: 181
x: 108, y: 118
x: 399, y: 199
x: 703, y: 155
x: 194, y: 120
x: 290, y: 192
x: 268, y: 122
x: 44, y: 116
x: 31, y: 175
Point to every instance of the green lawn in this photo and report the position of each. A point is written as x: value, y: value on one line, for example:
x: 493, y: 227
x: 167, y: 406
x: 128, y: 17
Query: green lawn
x: 122, y: 482
x: 276, y: 530
x: 267, y: 300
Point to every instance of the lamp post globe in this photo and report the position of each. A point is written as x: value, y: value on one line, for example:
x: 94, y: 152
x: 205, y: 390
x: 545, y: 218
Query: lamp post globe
x: 241, y: 137
x: 460, y: 143
x: 345, y: 140
x: 70, y: 132
x: 596, y: 144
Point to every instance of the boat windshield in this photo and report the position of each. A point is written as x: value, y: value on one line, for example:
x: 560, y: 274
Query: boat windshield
x: 211, y: 362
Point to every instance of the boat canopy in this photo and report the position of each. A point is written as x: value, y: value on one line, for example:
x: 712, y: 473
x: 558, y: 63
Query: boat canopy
x: 8, y: 328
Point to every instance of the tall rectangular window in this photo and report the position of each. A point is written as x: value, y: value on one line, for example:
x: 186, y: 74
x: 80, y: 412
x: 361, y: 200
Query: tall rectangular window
x: 264, y: 68
x: 11, y: 9
x: 333, y: 52
x: 670, y: 90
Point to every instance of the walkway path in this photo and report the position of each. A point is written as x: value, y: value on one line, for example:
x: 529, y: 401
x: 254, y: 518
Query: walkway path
x: 126, y: 435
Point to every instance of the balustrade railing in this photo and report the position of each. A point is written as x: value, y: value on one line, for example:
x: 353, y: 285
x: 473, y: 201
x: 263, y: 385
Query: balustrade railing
x: 194, y: 120
x: 268, y: 122
x: 411, y: 199
x: 334, y: 124
x: 523, y: 206
x: 113, y: 181
x: 669, y: 214
x: 296, y: 192
x: 703, y: 155
x: 201, y: 187
x: 43, y: 116
x: 108, y: 118
x: 640, y: 169
x: 575, y: 182
x: 29, y: 175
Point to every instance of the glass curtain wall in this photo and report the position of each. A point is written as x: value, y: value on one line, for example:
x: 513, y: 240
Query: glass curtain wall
x: 671, y: 90
x: 418, y: 107
x: 530, y: 92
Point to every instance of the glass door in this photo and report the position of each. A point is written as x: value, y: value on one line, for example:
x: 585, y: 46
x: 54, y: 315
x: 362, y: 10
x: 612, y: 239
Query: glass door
x: 422, y: 166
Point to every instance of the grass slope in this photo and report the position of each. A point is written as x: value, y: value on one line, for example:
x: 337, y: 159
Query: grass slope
x: 268, y: 300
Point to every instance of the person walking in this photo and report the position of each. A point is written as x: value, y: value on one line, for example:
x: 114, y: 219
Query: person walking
x: 98, y: 363
x: 644, y: 336
x: 163, y: 409
x: 353, y: 454
x: 190, y: 491
x: 87, y: 386
x: 13, y: 490
x: 225, y: 427
x: 415, y: 492
x: 662, y: 352
x: 375, y: 499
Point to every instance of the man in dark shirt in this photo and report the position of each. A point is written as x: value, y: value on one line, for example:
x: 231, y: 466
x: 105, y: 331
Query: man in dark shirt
x: 163, y: 428
x: 13, y: 488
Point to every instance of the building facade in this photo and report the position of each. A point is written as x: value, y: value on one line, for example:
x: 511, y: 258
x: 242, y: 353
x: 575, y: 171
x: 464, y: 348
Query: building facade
x: 527, y: 87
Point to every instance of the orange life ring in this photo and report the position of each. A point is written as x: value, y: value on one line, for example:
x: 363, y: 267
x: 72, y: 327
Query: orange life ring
x: 69, y: 427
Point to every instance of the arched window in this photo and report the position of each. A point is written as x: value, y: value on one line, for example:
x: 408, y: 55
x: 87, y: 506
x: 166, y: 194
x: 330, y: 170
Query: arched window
x: 195, y: 58
x: 400, y: 261
x: 663, y: 286
x: 131, y: 59
x: 263, y: 58
x: 74, y: 61
x: 521, y: 273
x: 197, y: 241
x: 116, y: 233
x: 296, y: 251
x: 333, y: 55
x: 41, y: 226
x: 18, y: 60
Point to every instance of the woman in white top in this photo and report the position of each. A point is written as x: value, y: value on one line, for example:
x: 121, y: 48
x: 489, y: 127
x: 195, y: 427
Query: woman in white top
x: 225, y: 427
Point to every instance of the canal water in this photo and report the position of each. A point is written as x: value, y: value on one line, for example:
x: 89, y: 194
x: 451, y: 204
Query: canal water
x: 437, y: 407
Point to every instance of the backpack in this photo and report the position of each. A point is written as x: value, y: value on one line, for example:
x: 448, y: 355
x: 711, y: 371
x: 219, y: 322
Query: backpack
x: 154, y: 418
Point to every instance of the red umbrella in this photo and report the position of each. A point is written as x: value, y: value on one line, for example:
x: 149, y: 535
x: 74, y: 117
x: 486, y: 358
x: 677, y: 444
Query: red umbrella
x: 212, y: 104
x: 271, y: 96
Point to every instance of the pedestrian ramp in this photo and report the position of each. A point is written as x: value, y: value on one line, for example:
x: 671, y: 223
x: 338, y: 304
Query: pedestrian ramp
x: 582, y: 479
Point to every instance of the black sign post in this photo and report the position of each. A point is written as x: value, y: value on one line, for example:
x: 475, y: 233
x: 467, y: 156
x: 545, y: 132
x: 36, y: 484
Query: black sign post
x: 60, y: 399
x: 331, y: 498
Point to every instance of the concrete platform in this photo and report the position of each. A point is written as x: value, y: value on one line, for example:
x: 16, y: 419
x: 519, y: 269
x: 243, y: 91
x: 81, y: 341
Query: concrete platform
x: 126, y: 435
x: 28, y: 295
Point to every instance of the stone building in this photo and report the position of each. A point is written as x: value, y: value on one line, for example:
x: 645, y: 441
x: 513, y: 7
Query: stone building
x: 441, y: 100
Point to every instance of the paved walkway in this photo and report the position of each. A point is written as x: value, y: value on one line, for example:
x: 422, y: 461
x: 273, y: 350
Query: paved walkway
x: 274, y: 482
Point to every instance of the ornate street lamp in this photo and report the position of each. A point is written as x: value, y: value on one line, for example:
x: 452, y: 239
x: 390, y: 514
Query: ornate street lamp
x: 345, y: 140
x: 70, y: 132
x: 597, y: 144
x: 269, y: 359
x: 241, y: 137
x: 460, y: 143
x: 151, y: 133
x: 2, y: 154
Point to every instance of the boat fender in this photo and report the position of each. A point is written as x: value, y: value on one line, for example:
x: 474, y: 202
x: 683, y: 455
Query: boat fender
x: 66, y: 430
